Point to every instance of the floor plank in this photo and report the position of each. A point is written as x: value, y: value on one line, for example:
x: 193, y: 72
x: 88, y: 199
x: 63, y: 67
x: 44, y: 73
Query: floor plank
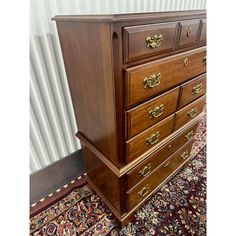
x: 56, y: 175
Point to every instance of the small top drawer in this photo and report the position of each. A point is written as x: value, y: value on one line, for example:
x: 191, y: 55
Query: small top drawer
x: 147, y: 40
x: 192, y: 90
x: 151, y: 112
x: 188, y: 33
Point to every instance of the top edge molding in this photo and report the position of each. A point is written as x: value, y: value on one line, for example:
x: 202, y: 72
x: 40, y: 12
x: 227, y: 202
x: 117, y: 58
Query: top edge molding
x: 130, y: 16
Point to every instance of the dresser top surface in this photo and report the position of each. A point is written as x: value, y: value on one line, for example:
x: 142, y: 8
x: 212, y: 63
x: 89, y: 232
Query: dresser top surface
x: 130, y: 16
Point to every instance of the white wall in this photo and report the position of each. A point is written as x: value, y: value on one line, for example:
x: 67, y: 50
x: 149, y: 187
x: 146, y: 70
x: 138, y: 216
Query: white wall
x: 52, y: 122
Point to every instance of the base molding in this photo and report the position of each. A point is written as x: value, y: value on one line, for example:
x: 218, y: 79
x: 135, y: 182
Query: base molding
x: 125, y: 168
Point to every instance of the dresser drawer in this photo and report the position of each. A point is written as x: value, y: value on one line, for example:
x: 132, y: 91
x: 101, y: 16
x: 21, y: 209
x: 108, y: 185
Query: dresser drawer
x: 140, y: 191
x: 146, y: 167
x: 202, y: 39
x: 189, y: 112
x: 150, y: 79
x: 151, y: 112
x: 147, y: 40
x: 192, y: 90
x: 148, y: 138
x: 188, y: 33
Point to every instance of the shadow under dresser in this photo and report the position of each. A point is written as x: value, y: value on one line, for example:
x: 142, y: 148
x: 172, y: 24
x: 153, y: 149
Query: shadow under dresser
x: 138, y: 86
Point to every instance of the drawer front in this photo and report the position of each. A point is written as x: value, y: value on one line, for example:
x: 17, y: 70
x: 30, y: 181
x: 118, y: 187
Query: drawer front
x: 146, y: 167
x: 151, y: 112
x: 192, y: 90
x: 147, y: 80
x: 146, y: 40
x: 202, y: 39
x: 140, y: 191
x: 189, y: 112
x: 188, y: 33
x: 148, y: 138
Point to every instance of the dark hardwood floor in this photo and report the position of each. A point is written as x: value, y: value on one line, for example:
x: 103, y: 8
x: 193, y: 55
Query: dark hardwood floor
x: 55, y: 176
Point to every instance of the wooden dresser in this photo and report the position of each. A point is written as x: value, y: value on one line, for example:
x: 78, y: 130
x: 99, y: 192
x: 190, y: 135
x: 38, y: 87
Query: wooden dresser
x: 138, y: 84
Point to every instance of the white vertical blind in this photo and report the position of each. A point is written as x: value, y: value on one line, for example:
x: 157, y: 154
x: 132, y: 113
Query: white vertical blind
x: 52, y: 122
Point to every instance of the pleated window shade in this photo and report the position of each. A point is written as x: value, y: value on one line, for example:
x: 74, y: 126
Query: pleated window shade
x: 52, y: 121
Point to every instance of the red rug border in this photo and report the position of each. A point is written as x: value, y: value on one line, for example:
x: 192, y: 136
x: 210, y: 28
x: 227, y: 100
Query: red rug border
x: 57, y: 196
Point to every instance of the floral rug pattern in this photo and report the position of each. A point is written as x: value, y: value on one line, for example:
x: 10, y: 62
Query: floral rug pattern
x: 177, y: 209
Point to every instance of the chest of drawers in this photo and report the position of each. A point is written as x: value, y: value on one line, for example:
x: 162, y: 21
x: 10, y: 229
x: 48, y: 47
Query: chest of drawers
x: 138, y: 85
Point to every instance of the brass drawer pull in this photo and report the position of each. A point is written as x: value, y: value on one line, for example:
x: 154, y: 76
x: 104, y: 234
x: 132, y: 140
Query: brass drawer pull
x: 205, y: 61
x: 184, y: 155
x: 144, y: 191
x: 156, y: 112
x: 170, y: 147
x: 189, y: 136
x: 146, y: 170
x: 189, y: 31
x: 192, y: 113
x: 153, y: 138
x: 186, y: 61
x: 197, y: 89
x: 154, y: 41
x: 152, y: 81
x: 166, y: 164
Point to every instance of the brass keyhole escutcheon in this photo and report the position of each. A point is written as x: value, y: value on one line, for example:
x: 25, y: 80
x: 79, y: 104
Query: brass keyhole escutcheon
x: 205, y: 61
x: 189, y: 31
x: 186, y: 60
x: 166, y: 164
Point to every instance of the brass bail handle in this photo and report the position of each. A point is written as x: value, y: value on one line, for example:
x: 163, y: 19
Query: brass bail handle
x: 192, y: 113
x: 154, y: 41
x: 152, y: 81
x: 153, y: 138
x: 197, y: 89
x: 146, y: 170
x: 156, y: 112
x: 144, y: 191
x: 184, y: 155
x: 189, y: 136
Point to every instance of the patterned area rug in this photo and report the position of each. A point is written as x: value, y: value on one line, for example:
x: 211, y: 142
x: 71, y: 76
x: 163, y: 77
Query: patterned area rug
x: 177, y: 209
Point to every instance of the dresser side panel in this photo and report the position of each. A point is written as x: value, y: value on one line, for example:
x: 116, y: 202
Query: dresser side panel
x: 104, y: 179
x: 87, y: 54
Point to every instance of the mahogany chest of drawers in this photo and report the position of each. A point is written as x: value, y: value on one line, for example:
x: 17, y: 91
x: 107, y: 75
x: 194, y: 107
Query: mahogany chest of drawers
x: 138, y: 84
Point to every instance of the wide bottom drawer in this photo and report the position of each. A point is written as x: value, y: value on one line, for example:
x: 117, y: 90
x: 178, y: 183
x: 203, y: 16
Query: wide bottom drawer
x: 147, y: 185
